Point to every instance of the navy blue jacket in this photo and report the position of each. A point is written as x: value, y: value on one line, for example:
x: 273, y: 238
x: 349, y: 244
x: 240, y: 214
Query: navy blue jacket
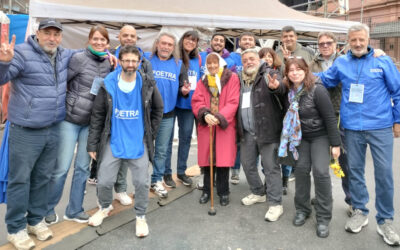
x: 37, y: 96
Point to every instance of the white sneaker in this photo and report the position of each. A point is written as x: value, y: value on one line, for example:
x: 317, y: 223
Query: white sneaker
x: 41, y: 231
x: 21, y: 240
x: 123, y: 198
x: 253, y: 199
x: 99, y: 216
x: 273, y: 213
x: 142, y: 230
x: 159, y: 189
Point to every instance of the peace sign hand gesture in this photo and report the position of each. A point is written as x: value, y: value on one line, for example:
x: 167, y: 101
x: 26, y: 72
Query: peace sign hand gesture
x: 272, y: 82
x: 7, y: 49
x: 286, y: 53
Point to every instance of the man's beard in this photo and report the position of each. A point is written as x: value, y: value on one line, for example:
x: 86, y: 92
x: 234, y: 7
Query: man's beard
x: 250, y: 71
x: 130, y: 71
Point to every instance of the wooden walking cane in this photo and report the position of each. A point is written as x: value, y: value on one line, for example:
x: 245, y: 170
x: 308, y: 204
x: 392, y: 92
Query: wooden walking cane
x: 212, y: 210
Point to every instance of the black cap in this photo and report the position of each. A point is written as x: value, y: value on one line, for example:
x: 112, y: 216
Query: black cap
x: 50, y: 22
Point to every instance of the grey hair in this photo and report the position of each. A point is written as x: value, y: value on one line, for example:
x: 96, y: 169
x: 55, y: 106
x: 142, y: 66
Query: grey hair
x: 328, y: 34
x: 251, y: 50
x: 175, y: 53
x: 358, y: 27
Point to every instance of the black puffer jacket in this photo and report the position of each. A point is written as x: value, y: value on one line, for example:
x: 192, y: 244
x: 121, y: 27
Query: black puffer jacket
x: 100, y: 123
x: 317, y: 116
x: 267, y: 111
x: 82, y: 70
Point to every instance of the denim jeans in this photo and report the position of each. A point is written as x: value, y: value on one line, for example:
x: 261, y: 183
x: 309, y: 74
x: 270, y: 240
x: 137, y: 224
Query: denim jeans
x: 236, y: 167
x: 286, y: 170
x: 162, y: 142
x: 185, y: 124
x: 70, y: 134
x: 380, y: 142
x: 32, y: 158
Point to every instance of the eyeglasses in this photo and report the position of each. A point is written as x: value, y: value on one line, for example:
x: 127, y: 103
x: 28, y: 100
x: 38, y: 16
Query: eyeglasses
x: 129, y: 61
x: 325, y: 44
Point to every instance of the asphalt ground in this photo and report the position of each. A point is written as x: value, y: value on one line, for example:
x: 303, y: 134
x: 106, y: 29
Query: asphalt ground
x: 185, y: 224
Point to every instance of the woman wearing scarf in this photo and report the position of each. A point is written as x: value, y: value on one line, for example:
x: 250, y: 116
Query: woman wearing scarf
x: 310, y: 133
x: 214, y: 103
x: 85, y: 73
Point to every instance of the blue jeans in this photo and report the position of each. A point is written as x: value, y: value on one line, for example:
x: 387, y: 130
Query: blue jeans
x: 32, y: 158
x: 162, y: 142
x: 185, y: 124
x: 236, y: 167
x: 286, y: 170
x: 381, y: 144
x: 70, y: 134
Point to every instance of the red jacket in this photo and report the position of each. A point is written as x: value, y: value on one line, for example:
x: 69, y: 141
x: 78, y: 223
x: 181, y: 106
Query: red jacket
x: 225, y: 132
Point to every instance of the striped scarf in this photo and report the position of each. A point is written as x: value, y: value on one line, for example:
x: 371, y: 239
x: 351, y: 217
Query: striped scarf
x: 291, y: 131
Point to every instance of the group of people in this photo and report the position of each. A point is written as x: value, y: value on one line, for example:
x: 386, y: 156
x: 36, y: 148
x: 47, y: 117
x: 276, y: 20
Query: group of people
x: 118, y: 109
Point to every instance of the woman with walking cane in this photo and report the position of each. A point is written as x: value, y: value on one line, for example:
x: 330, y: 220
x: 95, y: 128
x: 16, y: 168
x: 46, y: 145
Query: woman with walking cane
x: 214, y: 103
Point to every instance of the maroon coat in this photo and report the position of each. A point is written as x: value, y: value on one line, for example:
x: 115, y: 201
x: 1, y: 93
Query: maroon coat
x: 225, y: 132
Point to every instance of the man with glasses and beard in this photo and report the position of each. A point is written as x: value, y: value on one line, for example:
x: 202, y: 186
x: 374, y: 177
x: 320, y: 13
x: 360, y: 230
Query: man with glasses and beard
x: 125, y: 119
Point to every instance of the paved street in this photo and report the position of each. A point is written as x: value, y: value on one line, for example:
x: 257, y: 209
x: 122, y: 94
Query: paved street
x: 185, y: 224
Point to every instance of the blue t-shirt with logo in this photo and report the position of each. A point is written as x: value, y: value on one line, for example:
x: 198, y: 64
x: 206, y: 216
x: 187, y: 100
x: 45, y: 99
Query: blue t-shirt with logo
x: 166, y: 73
x: 127, y: 121
x: 193, y: 76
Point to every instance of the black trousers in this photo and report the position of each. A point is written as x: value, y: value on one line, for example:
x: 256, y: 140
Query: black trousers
x: 222, y: 180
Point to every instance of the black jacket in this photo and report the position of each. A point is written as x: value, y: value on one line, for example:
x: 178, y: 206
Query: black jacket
x: 317, y: 116
x: 268, y: 107
x: 82, y: 70
x: 100, y: 123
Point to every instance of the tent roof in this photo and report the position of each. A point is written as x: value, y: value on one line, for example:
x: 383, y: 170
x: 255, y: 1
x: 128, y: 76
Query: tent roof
x: 263, y: 17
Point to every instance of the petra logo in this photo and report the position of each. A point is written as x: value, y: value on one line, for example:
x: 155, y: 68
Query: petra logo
x: 126, y: 114
x: 376, y: 70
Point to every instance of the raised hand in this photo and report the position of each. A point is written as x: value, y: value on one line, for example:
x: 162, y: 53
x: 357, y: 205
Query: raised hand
x: 286, y: 53
x: 185, y: 88
x: 7, y: 49
x: 272, y: 82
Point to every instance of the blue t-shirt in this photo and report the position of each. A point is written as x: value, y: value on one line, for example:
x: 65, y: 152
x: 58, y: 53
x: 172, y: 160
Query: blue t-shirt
x: 194, y: 77
x: 237, y: 58
x: 127, y: 121
x: 166, y: 73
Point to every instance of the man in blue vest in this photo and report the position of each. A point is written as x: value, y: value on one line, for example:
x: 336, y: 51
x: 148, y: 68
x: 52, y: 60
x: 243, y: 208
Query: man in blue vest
x: 172, y: 80
x: 128, y: 36
x: 38, y: 71
x: 125, y: 118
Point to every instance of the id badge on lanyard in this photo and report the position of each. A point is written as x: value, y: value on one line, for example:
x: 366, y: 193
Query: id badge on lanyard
x: 246, y: 100
x: 96, y: 85
x: 356, y: 93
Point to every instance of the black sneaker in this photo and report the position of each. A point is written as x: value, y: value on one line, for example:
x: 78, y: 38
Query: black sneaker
x: 169, y: 182
x: 185, y: 179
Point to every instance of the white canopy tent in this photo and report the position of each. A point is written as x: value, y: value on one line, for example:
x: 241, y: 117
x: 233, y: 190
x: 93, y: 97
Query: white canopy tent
x: 265, y: 18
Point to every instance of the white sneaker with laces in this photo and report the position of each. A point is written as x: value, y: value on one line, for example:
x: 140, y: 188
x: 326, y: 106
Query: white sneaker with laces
x: 41, y: 231
x: 21, y: 240
x: 273, y: 213
x: 253, y: 199
x: 123, y: 198
x: 142, y: 230
x: 96, y: 219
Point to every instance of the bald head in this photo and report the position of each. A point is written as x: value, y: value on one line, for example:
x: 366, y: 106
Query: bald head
x: 127, y: 35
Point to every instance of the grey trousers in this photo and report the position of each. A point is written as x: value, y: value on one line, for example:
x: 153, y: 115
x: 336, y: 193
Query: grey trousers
x: 249, y: 151
x: 107, y: 175
x: 121, y: 185
x: 314, y: 155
